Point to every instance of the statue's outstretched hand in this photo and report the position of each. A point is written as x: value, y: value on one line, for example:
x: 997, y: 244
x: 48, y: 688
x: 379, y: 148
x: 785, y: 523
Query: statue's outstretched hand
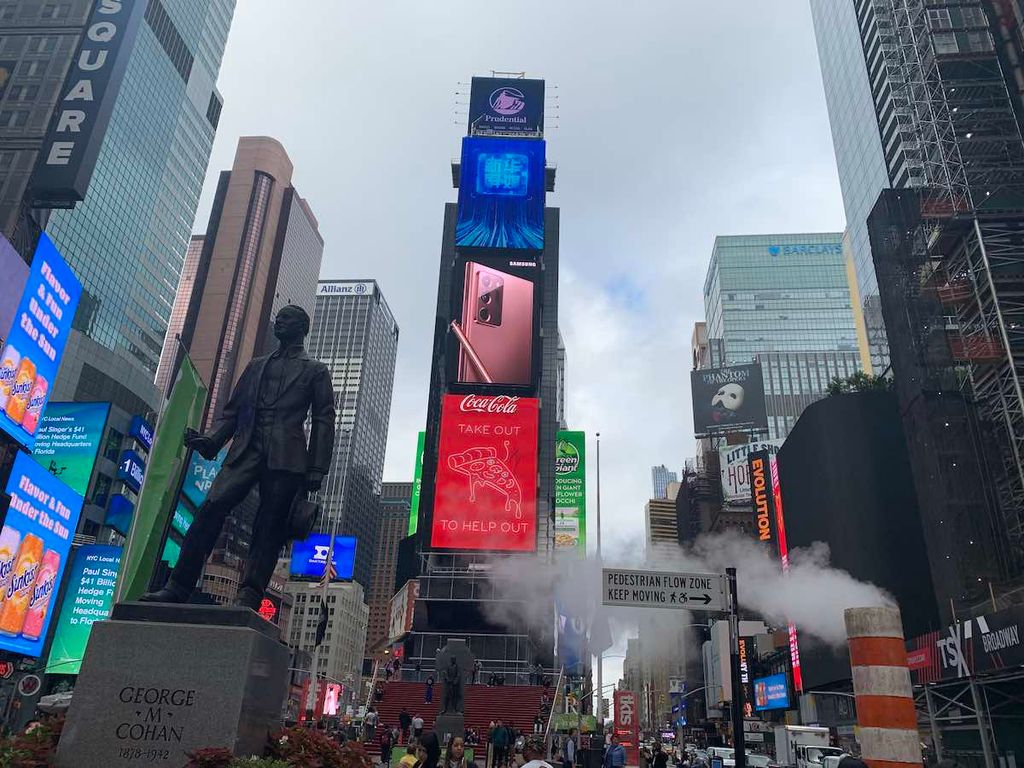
x: 201, y: 444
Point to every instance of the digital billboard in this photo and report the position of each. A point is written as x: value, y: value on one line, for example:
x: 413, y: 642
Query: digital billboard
x: 728, y: 399
x: 120, y: 512
x: 735, y: 469
x: 506, y: 106
x: 91, y: 580
x: 68, y: 440
x: 501, y: 194
x: 200, y: 475
x: 35, y: 343
x: 771, y: 692
x: 974, y: 646
x: 182, y: 519
x: 34, y: 545
x: 571, y: 492
x: 142, y: 431
x: 309, y: 557
x: 627, y: 724
x: 417, y: 485
x: 762, y: 498
x: 15, y: 272
x: 131, y: 469
x: 485, y: 495
x: 493, y: 329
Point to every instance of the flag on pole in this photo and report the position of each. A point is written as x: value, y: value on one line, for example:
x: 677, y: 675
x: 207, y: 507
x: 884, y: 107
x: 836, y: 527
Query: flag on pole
x: 330, y: 572
x: 321, y: 626
x: 184, y: 408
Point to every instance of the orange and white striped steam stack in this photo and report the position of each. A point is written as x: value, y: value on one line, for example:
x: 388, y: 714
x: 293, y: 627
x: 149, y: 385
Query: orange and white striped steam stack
x: 881, y: 682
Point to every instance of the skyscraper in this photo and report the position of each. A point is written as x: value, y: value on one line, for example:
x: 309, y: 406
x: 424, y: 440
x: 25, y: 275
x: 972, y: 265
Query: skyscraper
x: 262, y: 250
x: 40, y: 39
x: 868, y: 135
x: 127, y: 240
x: 395, y: 499
x: 784, y: 301
x: 660, y: 478
x: 356, y: 337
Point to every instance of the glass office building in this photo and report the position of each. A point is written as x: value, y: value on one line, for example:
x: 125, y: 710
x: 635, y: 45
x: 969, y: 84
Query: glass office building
x: 868, y: 135
x: 127, y: 240
x: 783, y: 300
x: 355, y: 335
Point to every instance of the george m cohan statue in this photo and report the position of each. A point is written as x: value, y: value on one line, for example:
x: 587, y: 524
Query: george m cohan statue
x: 264, y: 419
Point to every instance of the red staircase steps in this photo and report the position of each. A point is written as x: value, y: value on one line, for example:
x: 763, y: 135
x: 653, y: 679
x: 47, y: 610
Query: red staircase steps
x: 514, y: 705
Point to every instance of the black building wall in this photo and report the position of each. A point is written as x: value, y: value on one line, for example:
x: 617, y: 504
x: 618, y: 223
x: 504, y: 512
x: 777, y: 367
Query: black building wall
x: 846, y: 481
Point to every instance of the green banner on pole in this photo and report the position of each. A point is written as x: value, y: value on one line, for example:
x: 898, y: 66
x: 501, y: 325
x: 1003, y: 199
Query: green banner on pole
x: 417, y: 484
x: 571, y: 492
x: 184, y: 409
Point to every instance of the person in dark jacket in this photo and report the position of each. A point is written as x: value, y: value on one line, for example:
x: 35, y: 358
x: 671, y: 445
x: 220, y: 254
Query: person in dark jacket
x: 660, y: 759
x: 431, y: 746
x: 404, y: 721
x: 615, y: 753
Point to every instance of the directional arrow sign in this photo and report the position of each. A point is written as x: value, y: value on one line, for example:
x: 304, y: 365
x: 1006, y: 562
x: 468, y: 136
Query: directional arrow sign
x: 666, y: 589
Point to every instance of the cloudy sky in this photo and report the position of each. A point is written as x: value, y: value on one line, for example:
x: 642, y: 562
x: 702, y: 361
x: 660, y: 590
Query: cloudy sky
x: 671, y: 122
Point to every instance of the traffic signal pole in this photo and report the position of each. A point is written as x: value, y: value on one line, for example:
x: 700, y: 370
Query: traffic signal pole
x: 738, y: 737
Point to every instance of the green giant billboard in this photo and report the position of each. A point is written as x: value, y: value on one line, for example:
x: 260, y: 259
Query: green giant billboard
x: 571, y: 492
x: 417, y: 483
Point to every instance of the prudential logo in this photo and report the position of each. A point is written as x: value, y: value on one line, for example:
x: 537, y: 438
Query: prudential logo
x: 507, y: 101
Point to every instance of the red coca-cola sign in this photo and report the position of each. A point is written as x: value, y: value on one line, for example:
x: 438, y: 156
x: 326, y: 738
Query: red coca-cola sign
x: 485, y: 497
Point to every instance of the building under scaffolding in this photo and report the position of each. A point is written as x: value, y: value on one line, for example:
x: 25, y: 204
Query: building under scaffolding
x: 949, y: 257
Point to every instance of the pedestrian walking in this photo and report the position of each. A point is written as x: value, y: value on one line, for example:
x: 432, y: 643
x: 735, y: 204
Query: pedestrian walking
x: 533, y: 751
x: 499, y: 738
x: 457, y: 754
x: 370, y: 725
x: 538, y: 724
x: 417, y: 726
x: 404, y: 722
x: 660, y: 758
x: 428, y: 695
x: 615, y: 753
x: 385, y: 746
x: 569, y: 750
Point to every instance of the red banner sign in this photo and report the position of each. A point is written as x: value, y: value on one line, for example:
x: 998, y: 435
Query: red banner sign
x: 486, y: 492
x: 627, y: 724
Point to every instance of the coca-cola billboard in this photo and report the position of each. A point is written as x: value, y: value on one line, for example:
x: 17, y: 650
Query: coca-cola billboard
x: 485, y: 495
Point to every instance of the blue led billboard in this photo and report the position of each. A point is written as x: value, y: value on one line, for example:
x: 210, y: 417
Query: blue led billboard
x: 120, y: 512
x: 34, y: 546
x: 501, y: 194
x: 200, y: 476
x: 35, y: 343
x: 309, y: 557
x: 771, y: 692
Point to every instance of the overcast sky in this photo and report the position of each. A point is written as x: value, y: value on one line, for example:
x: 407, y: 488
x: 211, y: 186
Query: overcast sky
x: 670, y: 121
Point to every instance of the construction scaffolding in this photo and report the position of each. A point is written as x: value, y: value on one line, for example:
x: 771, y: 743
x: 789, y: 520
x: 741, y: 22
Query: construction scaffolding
x: 950, y: 261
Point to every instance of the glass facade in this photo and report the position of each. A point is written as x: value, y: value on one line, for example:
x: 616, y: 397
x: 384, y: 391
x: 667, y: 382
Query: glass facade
x: 395, y: 499
x: 781, y: 296
x: 356, y: 337
x: 128, y: 239
x: 660, y: 478
x: 868, y: 135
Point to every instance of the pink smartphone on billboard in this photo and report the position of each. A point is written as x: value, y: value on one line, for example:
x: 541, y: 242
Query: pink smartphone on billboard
x: 496, y: 333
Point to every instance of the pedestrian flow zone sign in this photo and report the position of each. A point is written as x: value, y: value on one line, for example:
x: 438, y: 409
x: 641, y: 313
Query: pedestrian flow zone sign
x: 666, y: 589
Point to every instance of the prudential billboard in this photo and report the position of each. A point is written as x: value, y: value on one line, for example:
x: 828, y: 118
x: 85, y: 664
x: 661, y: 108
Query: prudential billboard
x: 506, y: 106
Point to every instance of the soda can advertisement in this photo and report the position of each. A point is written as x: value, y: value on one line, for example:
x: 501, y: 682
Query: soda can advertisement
x: 34, y: 547
x: 34, y: 342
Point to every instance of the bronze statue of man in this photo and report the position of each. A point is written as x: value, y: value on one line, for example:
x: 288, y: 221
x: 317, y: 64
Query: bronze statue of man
x: 264, y: 419
x: 452, y: 677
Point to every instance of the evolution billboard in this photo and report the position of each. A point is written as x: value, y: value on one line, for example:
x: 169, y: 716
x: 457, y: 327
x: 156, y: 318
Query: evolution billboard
x: 492, y: 331
x: 501, y: 194
x: 571, y: 492
x: 68, y: 440
x: 90, y: 594
x: 34, y: 545
x: 506, y: 106
x: 36, y: 342
x: 728, y: 399
x: 735, y: 469
x: 485, y: 494
x: 977, y: 646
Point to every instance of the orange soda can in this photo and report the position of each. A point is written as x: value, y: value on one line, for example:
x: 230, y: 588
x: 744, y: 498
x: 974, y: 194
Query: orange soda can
x: 23, y: 580
x: 17, y: 403
x: 41, y: 595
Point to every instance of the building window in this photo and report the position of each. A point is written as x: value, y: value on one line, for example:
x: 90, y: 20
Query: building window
x: 13, y: 118
x: 979, y: 40
x: 938, y: 18
x: 945, y: 42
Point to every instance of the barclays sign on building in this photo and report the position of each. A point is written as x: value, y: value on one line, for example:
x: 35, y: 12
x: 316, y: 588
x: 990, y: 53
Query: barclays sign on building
x: 834, y: 249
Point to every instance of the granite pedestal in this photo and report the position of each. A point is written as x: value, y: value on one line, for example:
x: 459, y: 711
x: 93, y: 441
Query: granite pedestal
x: 160, y: 680
x: 449, y: 724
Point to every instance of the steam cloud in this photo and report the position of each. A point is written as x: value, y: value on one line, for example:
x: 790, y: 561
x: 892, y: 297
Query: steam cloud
x: 812, y: 594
